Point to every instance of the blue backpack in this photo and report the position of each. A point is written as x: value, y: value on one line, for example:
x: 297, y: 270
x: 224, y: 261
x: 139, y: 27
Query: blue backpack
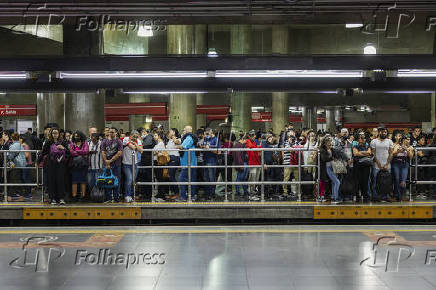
x: 107, y: 180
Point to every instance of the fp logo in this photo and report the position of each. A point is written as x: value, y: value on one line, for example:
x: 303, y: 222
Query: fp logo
x: 38, y: 252
x: 389, y: 21
x: 386, y: 253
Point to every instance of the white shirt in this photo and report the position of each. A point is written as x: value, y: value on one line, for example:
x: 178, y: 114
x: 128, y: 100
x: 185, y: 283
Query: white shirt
x: 160, y: 145
x: 382, y: 148
x: 128, y: 152
x: 172, y: 145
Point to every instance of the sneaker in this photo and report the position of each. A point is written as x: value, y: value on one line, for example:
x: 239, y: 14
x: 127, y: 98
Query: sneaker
x: 129, y: 199
x: 254, y: 198
x: 109, y: 201
x: 62, y: 202
x: 158, y: 199
x: 53, y: 202
x: 28, y: 198
x: 334, y: 201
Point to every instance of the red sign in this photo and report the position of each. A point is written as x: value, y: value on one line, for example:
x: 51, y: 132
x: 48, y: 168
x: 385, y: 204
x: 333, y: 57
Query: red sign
x: 135, y: 109
x: 17, y: 110
x: 267, y: 117
x: 213, y: 109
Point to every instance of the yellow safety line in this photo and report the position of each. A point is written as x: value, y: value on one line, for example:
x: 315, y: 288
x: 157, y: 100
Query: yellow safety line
x: 211, y: 231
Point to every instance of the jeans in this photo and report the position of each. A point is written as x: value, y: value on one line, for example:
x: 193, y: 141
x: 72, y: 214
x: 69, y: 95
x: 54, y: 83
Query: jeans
x: 400, y: 171
x: 26, y: 179
x: 335, y: 183
x: 253, y: 176
x: 115, y: 192
x: 362, y: 174
x: 240, y: 177
x: 374, y: 172
x: 183, y: 177
x: 92, y: 177
x: 174, y: 161
x: 209, y: 175
x: 128, y: 178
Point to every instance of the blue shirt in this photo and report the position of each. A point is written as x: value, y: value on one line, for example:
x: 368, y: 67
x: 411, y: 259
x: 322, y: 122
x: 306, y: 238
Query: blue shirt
x: 19, y: 158
x: 188, y: 143
x: 209, y: 156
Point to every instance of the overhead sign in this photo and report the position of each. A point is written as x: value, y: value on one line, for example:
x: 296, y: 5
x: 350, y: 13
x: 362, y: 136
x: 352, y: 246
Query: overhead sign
x: 17, y: 110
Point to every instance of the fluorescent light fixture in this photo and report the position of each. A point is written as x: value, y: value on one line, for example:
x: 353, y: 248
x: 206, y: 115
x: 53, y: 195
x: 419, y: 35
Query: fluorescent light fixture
x: 353, y: 25
x: 416, y: 73
x: 212, y: 53
x: 109, y: 75
x: 145, y: 31
x: 289, y: 74
x: 13, y: 75
x: 370, y: 49
x: 165, y: 92
x: 257, y: 109
x: 408, y: 92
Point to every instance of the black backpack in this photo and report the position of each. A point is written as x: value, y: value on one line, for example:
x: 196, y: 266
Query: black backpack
x: 384, y: 183
x: 348, y: 185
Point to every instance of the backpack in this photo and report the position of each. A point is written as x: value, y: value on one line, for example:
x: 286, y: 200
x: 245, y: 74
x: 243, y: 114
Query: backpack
x: 307, y: 190
x: 384, y: 183
x: 97, y: 194
x: 348, y: 185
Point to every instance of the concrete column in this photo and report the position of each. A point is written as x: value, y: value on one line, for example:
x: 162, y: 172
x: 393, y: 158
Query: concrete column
x: 433, y: 110
x: 339, y: 118
x: 137, y: 121
x: 330, y: 120
x: 280, y: 104
x: 50, y: 109
x: 181, y: 39
x: 240, y: 43
x: 84, y: 110
x: 309, y: 118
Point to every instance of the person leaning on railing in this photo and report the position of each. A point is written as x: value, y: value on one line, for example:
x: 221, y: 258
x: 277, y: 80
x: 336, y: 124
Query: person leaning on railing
x: 24, y: 141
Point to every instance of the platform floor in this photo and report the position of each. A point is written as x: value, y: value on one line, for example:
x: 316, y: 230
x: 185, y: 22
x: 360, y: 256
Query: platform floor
x: 242, y: 257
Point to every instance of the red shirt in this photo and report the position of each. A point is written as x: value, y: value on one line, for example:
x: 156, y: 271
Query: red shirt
x: 294, y: 156
x: 253, y: 156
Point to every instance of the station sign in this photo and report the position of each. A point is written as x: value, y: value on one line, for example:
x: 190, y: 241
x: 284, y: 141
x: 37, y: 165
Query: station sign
x: 17, y: 110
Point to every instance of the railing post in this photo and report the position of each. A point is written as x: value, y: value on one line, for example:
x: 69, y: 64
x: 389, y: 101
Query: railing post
x: 262, y: 193
x: 416, y: 169
x: 410, y: 180
x: 133, y: 175
x: 189, y: 176
x: 5, y: 177
x: 225, y: 175
x: 299, y: 177
x: 153, y: 197
x: 318, y: 180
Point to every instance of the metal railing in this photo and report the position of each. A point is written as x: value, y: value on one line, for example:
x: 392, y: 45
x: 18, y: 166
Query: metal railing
x: 5, y: 168
x: 224, y: 152
x: 417, y: 165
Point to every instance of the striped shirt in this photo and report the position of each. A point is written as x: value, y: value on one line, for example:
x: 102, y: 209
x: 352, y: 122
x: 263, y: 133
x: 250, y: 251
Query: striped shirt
x: 287, y: 154
x: 95, y: 160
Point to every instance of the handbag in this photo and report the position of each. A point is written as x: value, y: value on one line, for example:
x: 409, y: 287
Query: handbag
x: 107, y: 180
x: 366, y: 161
x: 339, y: 166
x: 79, y: 162
x: 163, y: 158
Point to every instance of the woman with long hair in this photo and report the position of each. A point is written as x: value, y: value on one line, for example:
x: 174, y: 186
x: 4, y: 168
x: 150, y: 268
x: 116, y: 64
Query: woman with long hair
x: 57, y: 153
x: 326, y: 156
x: 402, y: 154
x: 79, y: 150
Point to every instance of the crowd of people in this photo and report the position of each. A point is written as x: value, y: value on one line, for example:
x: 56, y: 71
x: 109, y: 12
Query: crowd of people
x: 370, y: 165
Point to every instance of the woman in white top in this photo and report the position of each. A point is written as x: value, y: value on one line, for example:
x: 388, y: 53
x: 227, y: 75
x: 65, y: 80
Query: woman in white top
x: 132, y: 145
x: 173, y: 142
x: 310, y: 155
x: 158, y: 172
